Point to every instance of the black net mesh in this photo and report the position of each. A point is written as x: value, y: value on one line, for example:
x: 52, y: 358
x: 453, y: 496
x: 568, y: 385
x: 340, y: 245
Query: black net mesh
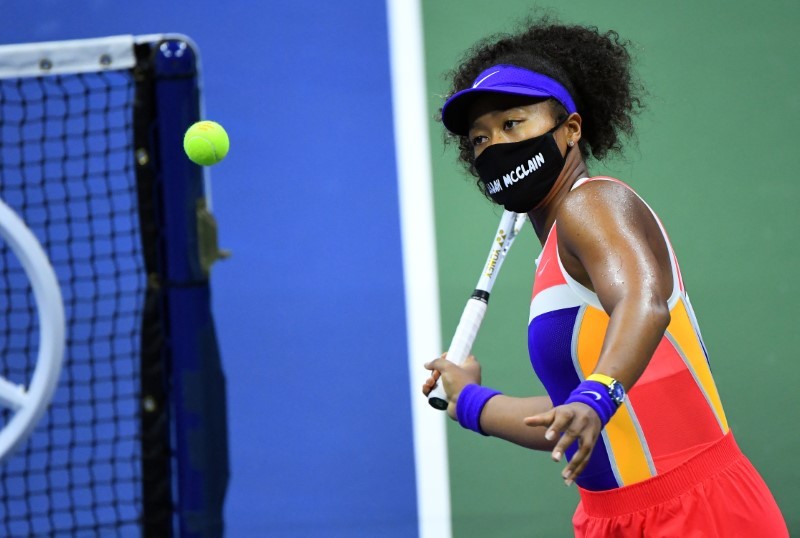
x: 66, y: 166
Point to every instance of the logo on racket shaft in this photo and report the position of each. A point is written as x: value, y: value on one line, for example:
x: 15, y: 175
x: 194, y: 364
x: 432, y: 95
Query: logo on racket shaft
x: 490, y: 266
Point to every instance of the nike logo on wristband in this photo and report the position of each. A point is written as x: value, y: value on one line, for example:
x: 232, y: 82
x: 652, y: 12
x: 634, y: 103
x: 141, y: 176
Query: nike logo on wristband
x: 595, y: 394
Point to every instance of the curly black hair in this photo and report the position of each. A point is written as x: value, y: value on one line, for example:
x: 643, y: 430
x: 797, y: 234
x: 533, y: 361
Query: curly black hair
x: 595, y: 68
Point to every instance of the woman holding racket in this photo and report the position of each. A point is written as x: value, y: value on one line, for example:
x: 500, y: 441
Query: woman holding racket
x: 632, y: 404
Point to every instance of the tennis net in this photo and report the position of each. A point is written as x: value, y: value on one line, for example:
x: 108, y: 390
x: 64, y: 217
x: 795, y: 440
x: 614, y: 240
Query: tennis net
x: 85, y: 143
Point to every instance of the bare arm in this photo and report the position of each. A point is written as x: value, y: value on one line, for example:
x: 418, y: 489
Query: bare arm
x: 610, y: 242
x: 502, y: 415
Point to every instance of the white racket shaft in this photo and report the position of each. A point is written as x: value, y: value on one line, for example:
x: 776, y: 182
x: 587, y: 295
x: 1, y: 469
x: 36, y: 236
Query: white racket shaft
x: 474, y: 311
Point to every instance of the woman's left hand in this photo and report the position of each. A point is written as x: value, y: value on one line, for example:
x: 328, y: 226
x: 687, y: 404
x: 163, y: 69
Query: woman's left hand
x: 575, y: 421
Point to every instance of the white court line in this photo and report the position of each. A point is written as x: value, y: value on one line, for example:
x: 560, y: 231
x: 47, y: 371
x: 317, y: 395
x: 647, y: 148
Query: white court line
x: 412, y: 152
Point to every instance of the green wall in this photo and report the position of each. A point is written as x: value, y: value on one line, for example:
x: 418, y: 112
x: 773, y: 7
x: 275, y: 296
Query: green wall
x: 714, y: 156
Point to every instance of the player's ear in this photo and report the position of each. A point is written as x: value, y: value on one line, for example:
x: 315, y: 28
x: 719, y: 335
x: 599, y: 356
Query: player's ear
x: 573, y: 128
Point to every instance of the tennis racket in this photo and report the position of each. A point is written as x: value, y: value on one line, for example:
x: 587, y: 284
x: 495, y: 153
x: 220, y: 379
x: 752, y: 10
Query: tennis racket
x: 461, y: 344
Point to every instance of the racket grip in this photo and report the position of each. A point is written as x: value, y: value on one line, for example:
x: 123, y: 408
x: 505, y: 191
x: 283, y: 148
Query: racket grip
x: 460, y: 345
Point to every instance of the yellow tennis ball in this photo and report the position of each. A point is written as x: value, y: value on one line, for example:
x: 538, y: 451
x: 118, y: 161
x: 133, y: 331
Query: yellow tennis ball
x: 206, y: 143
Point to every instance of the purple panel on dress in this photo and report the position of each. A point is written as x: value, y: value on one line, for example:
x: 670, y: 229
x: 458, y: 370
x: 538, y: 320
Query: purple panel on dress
x: 550, y: 349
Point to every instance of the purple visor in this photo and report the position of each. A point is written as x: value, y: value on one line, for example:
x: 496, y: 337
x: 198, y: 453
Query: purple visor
x: 502, y: 79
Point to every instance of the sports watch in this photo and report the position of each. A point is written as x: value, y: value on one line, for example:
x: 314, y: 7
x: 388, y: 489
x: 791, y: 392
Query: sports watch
x: 615, y: 389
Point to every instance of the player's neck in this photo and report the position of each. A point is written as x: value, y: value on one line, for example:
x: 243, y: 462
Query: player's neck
x: 543, y: 216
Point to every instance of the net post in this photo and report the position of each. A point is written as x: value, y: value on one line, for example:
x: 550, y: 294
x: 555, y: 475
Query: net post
x: 156, y: 443
x: 195, y: 384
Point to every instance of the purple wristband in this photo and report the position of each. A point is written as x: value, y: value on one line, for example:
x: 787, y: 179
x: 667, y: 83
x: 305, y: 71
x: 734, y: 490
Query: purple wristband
x: 470, y: 406
x: 595, y: 395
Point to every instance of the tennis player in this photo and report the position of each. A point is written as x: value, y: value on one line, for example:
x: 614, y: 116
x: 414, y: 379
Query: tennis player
x: 632, y: 404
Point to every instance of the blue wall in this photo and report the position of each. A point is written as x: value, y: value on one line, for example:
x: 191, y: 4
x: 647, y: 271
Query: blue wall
x: 309, y: 309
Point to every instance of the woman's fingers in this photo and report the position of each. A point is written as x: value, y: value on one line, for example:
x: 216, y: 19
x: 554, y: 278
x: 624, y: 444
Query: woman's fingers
x: 542, y: 419
x: 430, y: 383
x: 453, y: 376
x: 579, y: 460
x: 568, y: 424
x: 563, y: 427
x: 436, y: 364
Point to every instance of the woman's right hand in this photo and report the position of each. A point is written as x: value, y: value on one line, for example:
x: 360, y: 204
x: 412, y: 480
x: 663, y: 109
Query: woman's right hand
x: 454, y: 378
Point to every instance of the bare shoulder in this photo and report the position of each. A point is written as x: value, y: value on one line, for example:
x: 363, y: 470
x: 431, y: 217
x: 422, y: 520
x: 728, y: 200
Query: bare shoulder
x: 600, y: 198
x: 601, y: 212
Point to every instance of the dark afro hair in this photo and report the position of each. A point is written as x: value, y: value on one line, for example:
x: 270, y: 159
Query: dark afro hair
x: 595, y: 68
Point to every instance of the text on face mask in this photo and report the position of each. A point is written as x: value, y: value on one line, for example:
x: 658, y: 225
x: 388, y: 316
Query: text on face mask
x: 518, y: 173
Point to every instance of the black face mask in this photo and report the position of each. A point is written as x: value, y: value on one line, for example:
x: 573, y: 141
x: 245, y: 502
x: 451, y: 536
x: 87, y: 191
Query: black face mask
x: 519, y: 175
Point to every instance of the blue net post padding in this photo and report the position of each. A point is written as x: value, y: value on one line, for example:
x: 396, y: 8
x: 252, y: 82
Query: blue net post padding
x: 196, y: 384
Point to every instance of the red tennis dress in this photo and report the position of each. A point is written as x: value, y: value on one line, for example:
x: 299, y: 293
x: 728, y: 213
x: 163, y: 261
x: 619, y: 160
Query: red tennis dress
x: 666, y: 464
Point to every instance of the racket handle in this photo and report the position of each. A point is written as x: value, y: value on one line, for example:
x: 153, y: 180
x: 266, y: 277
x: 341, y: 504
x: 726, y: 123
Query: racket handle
x: 461, y: 344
